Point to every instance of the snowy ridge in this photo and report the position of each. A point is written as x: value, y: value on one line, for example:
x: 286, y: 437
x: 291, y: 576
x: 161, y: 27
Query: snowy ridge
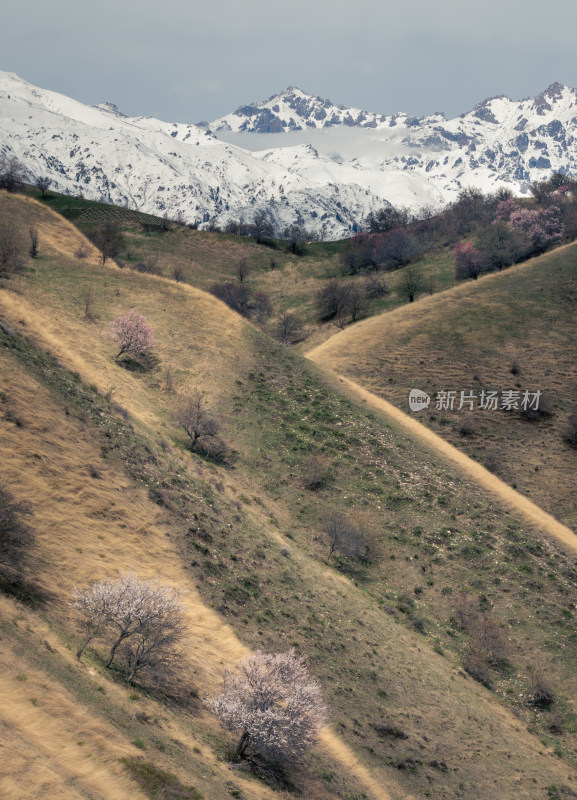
x: 325, y: 173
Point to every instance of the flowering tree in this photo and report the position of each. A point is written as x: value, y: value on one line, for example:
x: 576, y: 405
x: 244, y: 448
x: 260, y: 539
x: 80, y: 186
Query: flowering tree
x: 273, y: 702
x: 468, y: 261
x: 133, y: 334
x: 144, y: 616
x: 543, y: 226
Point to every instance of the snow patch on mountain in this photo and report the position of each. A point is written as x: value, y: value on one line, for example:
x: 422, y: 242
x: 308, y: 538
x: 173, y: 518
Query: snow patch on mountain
x: 326, y: 168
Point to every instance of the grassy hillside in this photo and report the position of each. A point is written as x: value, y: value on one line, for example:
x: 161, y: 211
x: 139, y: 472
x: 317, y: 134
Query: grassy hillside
x: 514, y: 330
x: 203, y: 258
x: 93, y: 447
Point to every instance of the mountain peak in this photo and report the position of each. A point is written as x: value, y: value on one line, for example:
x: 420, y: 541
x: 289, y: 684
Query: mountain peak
x: 293, y: 109
x: 110, y: 107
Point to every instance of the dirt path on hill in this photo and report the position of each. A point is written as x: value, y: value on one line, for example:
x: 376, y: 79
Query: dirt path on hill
x: 435, y: 443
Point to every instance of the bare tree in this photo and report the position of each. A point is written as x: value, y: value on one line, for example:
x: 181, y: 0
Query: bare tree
x: 296, y: 237
x: 332, y: 299
x: 411, y: 282
x: 12, y: 174
x: 143, y: 616
x: 262, y: 227
x: 344, y: 536
x: 357, y: 302
x: 250, y: 304
x: 154, y: 645
x: 133, y: 333
x: 109, y: 239
x: 242, y: 270
x: 396, y: 249
x: 274, y: 704
x: 387, y: 218
x: 196, y: 419
x: 43, y: 183
x: 33, y: 251
x: 289, y: 329
x: 375, y: 285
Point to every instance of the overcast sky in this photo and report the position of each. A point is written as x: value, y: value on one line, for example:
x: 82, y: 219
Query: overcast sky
x: 190, y: 61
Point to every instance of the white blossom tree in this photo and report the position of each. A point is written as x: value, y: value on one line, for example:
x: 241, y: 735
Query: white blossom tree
x: 132, y: 333
x: 143, y: 616
x: 274, y: 704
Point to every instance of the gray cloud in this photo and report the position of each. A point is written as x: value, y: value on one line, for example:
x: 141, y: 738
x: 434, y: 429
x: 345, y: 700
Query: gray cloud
x: 195, y: 61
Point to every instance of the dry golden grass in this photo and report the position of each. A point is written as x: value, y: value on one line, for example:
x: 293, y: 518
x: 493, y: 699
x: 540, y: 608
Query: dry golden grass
x: 116, y: 526
x: 440, y: 447
x: 58, y: 748
x: 466, y: 339
x: 90, y: 530
x: 87, y: 528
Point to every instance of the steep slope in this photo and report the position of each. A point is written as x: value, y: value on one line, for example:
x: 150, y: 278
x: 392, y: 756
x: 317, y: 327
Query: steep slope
x: 508, y: 331
x: 249, y: 542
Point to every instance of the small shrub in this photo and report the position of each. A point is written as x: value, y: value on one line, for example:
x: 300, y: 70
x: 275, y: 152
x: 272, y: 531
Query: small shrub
x: 11, y: 251
x: 16, y: 538
x: 491, y: 462
x: 316, y: 473
x: 149, y: 266
x: 34, y: 239
x: 545, y: 409
x: 476, y: 666
x: 570, y: 430
x: 82, y: 251
x: 158, y: 783
x: 390, y: 731
x: 540, y: 694
x: 178, y: 273
x: 89, y: 306
x: 467, y: 427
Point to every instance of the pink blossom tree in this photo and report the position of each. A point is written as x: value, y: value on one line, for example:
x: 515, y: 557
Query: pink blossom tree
x: 542, y: 226
x: 273, y: 702
x: 132, y: 333
x: 468, y: 260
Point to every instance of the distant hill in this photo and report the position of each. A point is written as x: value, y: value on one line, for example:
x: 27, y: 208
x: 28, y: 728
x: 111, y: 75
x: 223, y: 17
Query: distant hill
x: 514, y: 331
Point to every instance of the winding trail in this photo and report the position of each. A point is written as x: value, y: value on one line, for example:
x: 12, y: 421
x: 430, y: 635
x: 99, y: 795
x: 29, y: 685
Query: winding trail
x: 439, y: 446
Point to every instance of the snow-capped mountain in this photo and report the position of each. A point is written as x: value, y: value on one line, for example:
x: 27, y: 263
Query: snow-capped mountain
x: 295, y: 110
x: 501, y: 141
x: 322, y: 172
